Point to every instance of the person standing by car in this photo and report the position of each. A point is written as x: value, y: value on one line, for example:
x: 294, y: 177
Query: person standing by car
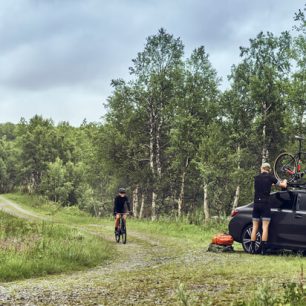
x: 261, y: 209
x: 121, y: 206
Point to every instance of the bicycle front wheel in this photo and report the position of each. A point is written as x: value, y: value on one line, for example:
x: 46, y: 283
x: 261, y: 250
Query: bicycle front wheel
x: 124, y: 237
x: 285, y: 167
x: 117, y: 237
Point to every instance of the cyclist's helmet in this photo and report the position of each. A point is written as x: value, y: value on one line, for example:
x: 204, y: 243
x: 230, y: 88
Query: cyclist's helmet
x: 122, y: 190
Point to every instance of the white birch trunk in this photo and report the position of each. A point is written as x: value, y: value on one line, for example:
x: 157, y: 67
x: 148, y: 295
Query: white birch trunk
x: 265, y: 152
x: 206, y: 207
x: 158, y: 149
x: 152, y: 156
x: 135, y: 201
x: 180, y: 201
x: 154, y: 197
x: 236, y: 199
x: 142, y: 206
x: 264, y: 148
x: 237, y: 193
x: 151, y: 146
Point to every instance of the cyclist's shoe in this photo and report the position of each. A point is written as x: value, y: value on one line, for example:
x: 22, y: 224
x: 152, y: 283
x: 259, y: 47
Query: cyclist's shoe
x: 264, y: 248
x: 253, y: 247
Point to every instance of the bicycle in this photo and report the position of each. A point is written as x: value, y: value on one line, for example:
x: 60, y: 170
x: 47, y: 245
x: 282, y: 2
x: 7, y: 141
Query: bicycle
x: 288, y: 166
x: 121, y: 231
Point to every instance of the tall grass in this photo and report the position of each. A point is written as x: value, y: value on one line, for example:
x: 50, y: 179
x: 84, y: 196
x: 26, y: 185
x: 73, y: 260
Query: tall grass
x: 30, y: 249
x: 180, y: 228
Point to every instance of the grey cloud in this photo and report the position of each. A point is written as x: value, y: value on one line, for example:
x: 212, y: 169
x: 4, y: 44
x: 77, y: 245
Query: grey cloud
x: 51, y: 49
x: 59, y: 105
x: 74, y: 45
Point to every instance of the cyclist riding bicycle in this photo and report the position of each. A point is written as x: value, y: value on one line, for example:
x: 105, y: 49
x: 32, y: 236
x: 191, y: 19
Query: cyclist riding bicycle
x: 121, y: 207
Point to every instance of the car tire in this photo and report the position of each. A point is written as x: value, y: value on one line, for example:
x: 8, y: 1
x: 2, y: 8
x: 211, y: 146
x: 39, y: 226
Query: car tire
x: 299, y: 252
x: 246, y: 240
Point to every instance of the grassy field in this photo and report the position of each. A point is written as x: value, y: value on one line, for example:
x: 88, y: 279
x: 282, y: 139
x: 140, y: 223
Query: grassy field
x: 35, y: 248
x: 202, y: 278
x: 167, y: 263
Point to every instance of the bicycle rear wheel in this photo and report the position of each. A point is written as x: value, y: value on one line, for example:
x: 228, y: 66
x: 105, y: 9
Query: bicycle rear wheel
x: 123, y: 232
x: 285, y: 167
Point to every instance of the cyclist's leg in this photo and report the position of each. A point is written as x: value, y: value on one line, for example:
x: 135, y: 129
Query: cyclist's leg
x: 124, y: 219
x: 254, y: 236
x: 117, y: 220
x: 254, y: 230
x: 255, y: 219
x: 266, y: 218
x: 265, y: 229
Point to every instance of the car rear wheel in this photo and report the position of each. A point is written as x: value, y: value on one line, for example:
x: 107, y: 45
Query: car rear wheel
x: 246, y: 240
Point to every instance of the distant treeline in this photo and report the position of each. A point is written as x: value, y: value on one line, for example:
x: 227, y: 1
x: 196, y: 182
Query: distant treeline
x: 177, y: 142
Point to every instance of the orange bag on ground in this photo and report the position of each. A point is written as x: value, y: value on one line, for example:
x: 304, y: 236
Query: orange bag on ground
x: 223, y: 239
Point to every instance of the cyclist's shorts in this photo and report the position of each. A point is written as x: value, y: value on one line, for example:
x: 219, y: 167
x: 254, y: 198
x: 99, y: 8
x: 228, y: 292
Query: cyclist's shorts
x: 261, y: 211
x: 120, y: 210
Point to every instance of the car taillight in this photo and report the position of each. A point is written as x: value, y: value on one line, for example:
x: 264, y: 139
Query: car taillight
x: 234, y: 213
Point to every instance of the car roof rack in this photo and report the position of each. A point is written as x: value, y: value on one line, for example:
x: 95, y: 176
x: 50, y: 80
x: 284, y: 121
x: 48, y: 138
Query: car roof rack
x: 297, y: 185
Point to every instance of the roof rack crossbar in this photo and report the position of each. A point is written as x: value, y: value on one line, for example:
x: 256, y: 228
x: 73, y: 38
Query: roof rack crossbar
x: 297, y: 185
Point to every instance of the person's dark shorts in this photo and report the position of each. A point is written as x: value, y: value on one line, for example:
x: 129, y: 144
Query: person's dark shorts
x: 261, y: 211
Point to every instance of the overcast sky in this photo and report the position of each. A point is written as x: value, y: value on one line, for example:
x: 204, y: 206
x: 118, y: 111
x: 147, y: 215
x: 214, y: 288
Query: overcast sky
x: 57, y: 57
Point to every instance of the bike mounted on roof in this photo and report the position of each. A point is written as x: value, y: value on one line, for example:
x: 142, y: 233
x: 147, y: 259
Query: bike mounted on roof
x: 288, y: 166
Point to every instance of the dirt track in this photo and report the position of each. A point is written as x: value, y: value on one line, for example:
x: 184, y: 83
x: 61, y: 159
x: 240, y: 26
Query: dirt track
x: 97, y: 286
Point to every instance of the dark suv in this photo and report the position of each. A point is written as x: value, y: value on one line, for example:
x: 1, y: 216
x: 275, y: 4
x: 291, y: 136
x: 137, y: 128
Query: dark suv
x: 288, y: 222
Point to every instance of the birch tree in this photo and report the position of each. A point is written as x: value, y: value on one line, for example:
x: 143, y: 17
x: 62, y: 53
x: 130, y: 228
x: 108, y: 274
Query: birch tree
x: 157, y: 71
x: 197, y: 106
x: 268, y: 62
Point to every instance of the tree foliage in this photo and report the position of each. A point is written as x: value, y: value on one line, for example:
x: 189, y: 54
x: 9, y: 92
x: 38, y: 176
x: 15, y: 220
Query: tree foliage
x: 171, y: 136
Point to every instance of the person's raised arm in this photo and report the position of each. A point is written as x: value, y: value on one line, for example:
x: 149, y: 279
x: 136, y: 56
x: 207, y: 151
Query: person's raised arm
x: 283, y: 184
x: 276, y: 182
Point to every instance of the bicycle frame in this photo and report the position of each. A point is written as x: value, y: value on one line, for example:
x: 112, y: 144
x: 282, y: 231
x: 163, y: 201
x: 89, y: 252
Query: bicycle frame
x: 121, y: 229
x: 298, y: 155
x: 122, y: 223
x: 295, y: 169
x: 298, y: 169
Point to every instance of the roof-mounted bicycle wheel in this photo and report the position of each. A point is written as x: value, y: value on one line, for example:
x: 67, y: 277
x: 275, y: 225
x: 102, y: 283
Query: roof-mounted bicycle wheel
x: 285, y: 167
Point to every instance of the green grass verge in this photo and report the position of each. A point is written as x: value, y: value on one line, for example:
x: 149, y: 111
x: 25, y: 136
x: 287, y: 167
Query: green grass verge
x: 181, y: 229
x: 30, y: 249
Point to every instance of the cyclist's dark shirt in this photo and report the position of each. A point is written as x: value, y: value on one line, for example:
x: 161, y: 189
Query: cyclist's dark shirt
x: 119, y: 206
x: 263, y: 183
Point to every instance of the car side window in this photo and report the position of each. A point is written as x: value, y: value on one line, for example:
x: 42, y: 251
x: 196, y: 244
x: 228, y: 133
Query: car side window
x: 283, y: 200
x: 301, y: 202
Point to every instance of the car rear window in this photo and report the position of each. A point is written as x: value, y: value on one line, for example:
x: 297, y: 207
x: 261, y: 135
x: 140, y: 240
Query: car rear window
x: 282, y: 200
x: 301, y: 202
